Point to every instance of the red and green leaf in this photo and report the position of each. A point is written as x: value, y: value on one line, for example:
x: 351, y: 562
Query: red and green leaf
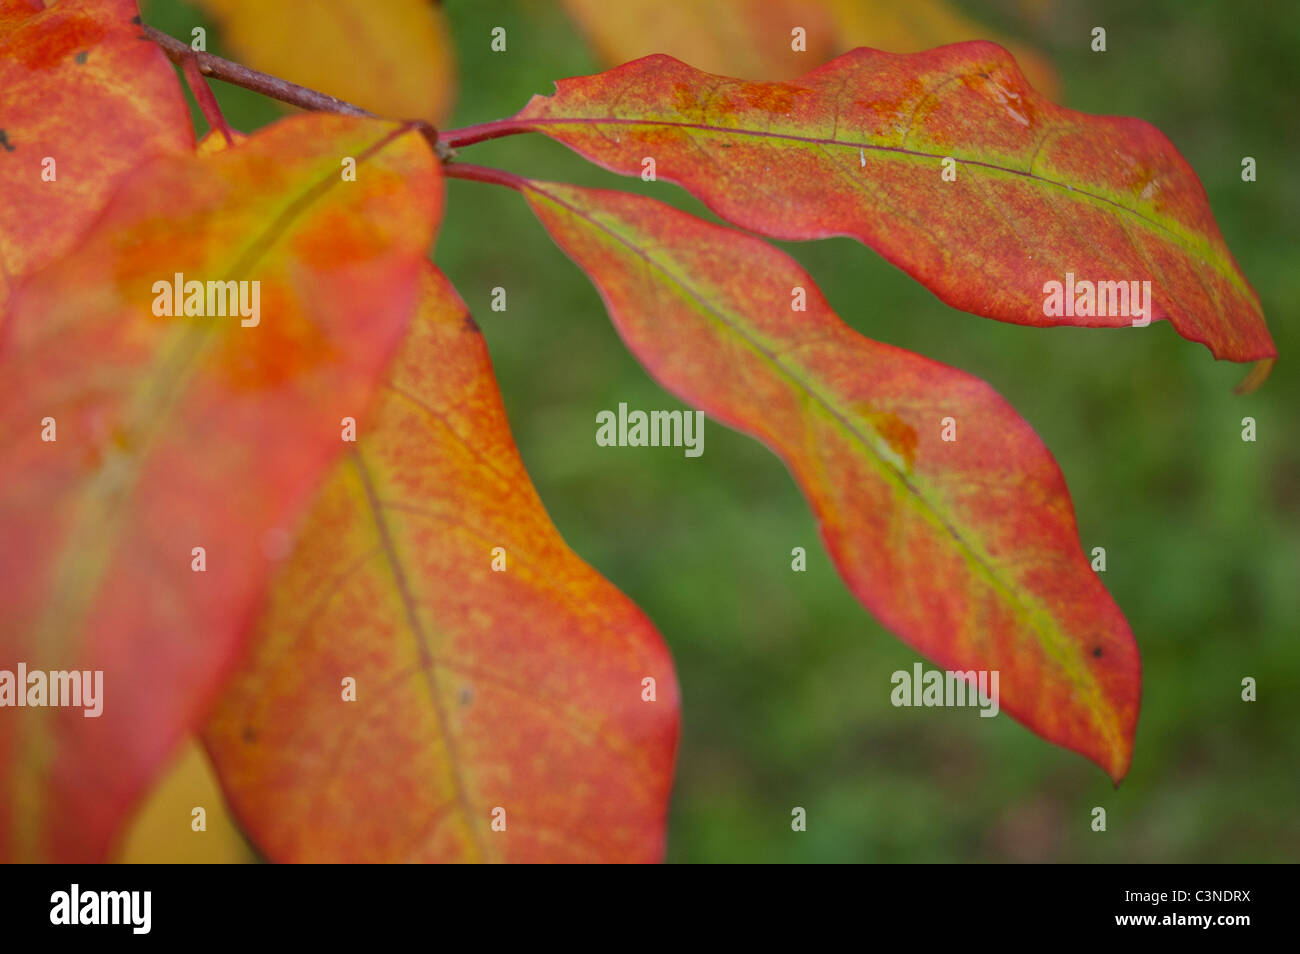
x: 517, y: 688
x: 857, y: 148
x: 967, y: 549
x: 181, y: 432
x: 79, y: 87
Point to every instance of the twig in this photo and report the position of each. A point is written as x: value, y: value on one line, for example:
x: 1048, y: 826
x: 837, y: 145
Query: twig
x: 467, y: 170
x: 239, y: 75
x: 198, y: 84
x: 483, y: 132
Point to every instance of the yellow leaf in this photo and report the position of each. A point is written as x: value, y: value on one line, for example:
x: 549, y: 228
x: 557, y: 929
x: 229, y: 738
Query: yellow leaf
x: 910, y: 26
x: 770, y: 40
x: 750, y: 39
x: 393, y: 58
x: 162, y: 832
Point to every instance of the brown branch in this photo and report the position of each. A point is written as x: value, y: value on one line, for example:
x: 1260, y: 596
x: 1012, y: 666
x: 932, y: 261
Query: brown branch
x: 239, y: 75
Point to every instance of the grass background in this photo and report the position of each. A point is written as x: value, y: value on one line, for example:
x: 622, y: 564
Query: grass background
x: 785, y: 678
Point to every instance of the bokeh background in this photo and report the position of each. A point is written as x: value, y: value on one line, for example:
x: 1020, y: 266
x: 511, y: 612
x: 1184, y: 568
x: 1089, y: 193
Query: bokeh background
x: 785, y: 678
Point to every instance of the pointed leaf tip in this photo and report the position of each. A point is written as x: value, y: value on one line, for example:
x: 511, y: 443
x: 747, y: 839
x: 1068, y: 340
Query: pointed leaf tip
x: 942, y: 510
x: 951, y: 166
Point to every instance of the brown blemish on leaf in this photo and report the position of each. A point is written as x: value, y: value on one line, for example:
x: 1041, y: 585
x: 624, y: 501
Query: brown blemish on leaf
x: 897, y: 433
x: 56, y: 41
x: 685, y: 101
x: 775, y: 98
x: 1005, y: 89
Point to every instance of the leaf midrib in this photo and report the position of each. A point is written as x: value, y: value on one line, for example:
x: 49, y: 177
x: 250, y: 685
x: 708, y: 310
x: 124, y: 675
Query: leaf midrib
x: 1190, y: 243
x: 424, y: 647
x: 151, y: 401
x: 69, y: 618
x: 1039, y: 618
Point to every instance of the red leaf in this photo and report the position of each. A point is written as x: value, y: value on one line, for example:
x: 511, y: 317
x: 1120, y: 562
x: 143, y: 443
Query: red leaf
x: 13, y: 13
x: 479, y: 686
x: 79, y: 87
x: 967, y: 549
x: 180, y: 432
x: 857, y: 148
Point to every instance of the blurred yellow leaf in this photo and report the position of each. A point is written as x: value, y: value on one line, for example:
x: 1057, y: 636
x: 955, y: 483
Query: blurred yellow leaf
x: 910, y: 26
x: 755, y: 39
x: 394, y: 58
x: 162, y: 831
x: 748, y: 39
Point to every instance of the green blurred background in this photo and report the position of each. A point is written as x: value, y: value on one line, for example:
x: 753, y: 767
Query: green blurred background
x: 785, y: 678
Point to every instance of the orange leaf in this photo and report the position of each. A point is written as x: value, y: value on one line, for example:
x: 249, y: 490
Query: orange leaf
x: 1036, y: 193
x: 13, y: 13
x: 966, y: 548
x: 82, y: 101
x: 128, y: 439
x: 393, y: 58
x: 485, y: 691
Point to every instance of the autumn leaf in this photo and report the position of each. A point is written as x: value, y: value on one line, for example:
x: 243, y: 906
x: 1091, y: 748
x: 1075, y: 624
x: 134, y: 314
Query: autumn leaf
x: 749, y: 38
x: 13, y: 13
x: 152, y: 467
x: 781, y: 39
x: 188, y: 785
x: 966, y: 548
x: 500, y: 684
x: 393, y: 58
x: 82, y: 102
x: 912, y: 26
x: 1036, y: 193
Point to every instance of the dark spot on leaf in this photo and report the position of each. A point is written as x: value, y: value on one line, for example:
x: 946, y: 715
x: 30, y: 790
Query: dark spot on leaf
x: 82, y: 56
x: 1097, y: 652
x: 50, y: 49
x: 250, y: 734
x: 4, y: 141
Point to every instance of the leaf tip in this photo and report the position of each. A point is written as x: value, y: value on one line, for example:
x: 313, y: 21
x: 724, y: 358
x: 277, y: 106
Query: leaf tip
x: 1119, y: 760
x: 1257, y: 375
